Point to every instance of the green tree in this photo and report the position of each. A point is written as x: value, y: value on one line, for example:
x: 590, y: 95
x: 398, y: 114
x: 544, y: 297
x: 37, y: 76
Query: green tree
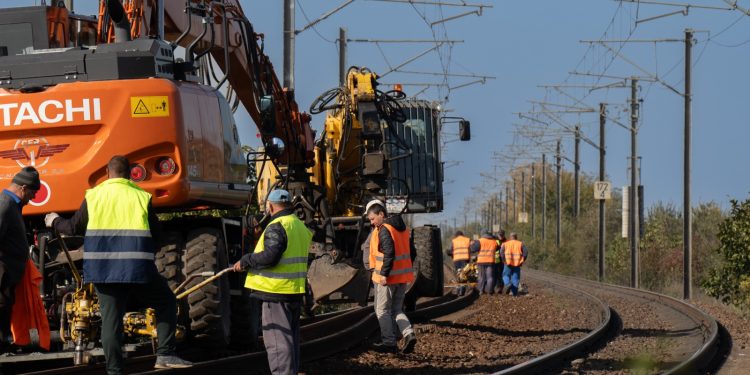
x: 730, y: 282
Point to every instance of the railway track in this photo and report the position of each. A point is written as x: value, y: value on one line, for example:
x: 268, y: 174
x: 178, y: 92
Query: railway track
x: 320, y: 338
x: 693, y: 337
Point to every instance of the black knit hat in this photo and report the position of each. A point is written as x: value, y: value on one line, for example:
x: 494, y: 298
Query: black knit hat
x: 28, y: 176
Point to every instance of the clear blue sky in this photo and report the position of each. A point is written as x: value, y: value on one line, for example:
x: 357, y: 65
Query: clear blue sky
x: 525, y: 43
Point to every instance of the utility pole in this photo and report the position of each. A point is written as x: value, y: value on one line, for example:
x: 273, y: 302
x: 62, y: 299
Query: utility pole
x: 515, y: 202
x: 544, y: 196
x: 559, y: 195
x: 687, y: 230
x: 576, y: 173
x: 289, y: 35
x: 342, y: 56
x: 507, y: 203
x: 602, y: 205
x: 634, y: 231
x: 533, y: 201
x: 523, y: 191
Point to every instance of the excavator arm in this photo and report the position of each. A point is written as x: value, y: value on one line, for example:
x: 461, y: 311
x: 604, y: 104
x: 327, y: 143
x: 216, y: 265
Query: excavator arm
x: 222, y: 30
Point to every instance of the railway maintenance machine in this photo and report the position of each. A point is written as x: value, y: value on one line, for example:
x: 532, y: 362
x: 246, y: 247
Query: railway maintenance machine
x: 158, y: 82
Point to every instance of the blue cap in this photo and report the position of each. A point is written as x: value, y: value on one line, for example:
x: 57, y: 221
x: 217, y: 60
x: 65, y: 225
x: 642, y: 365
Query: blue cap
x: 279, y: 195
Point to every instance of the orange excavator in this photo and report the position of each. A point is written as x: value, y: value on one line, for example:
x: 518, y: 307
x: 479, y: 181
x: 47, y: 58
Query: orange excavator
x: 158, y: 82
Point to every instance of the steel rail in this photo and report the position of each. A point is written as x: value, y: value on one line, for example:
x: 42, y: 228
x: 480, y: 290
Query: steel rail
x: 701, y: 359
x: 320, y: 338
x: 553, y: 359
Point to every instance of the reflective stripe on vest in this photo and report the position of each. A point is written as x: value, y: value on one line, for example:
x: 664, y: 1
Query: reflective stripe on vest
x: 289, y: 275
x: 487, y: 248
x: 513, y: 253
x: 118, y: 247
x: 461, y: 248
x: 401, y: 271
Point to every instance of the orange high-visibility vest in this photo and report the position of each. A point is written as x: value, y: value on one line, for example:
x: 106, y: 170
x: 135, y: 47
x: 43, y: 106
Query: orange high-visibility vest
x: 513, y: 253
x: 487, y: 249
x: 402, y: 271
x: 28, y: 318
x: 461, y: 248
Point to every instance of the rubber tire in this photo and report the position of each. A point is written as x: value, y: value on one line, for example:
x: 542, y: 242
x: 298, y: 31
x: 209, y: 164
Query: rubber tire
x: 429, y: 261
x: 209, y: 307
x: 169, y: 264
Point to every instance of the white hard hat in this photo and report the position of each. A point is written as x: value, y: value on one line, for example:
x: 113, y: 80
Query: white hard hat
x: 372, y: 203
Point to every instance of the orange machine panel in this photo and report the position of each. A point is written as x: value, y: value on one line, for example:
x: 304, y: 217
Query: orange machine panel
x: 70, y: 131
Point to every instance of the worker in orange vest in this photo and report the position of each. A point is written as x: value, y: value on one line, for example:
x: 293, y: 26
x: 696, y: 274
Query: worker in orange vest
x: 391, y: 259
x: 487, y: 246
x: 459, y: 250
x: 514, y: 254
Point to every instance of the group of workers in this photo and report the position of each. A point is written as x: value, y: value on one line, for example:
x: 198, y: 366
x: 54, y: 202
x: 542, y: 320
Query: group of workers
x: 121, y: 234
x: 498, y: 260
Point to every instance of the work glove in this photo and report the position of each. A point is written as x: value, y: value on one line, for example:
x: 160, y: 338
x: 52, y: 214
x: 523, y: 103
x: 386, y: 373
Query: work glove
x: 50, y: 218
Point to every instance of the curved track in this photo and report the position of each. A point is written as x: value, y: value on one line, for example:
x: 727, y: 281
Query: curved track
x: 693, y: 337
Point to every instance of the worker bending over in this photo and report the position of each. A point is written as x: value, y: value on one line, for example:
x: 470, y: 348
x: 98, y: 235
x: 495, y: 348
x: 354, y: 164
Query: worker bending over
x: 459, y: 250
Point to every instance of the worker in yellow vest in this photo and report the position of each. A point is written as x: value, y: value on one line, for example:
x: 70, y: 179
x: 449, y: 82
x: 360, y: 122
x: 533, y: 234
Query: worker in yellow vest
x: 121, y: 232
x: 277, y: 271
x: 514, y: 254
x: 486, y: 263
x: 391, y: 259
x: 459, y: 250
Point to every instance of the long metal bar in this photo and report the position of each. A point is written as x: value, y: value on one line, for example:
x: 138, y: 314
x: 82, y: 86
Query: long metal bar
x: 411, y: 59
x: 602, y: 202
x: 544, y: 196
x: 515, y: 202
x: 577, y: 173
x: 523, y: 191
x: 441, y: 3
x: 431, y: 41
x: 559, y: 195
x: 680, y: 5
x: 289, y: 35
x: 323, y: 17
x: 342, y: 56
x: 507, y: 203
x: 633, y: 202
x: 687, y: 212
x: 533, y: 200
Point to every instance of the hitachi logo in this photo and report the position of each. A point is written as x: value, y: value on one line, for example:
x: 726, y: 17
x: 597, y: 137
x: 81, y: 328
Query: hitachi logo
x: 51, y: 112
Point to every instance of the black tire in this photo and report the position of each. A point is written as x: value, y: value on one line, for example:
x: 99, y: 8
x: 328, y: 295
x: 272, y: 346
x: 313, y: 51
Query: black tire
x: 429, y: 261
x: 169, y: 264
x: 209, y: 307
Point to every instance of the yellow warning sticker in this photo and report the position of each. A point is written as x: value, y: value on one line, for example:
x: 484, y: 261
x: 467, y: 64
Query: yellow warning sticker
x: 149, y: 106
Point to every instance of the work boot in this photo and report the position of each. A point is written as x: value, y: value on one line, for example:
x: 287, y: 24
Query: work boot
x: 171, y: 361
x: 409, y: 342
x: 384, y: 348
x: 506, y: 289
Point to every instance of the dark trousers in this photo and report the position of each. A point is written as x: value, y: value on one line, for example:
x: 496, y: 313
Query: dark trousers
x: 485, y: 282
x: 113, y: 300
x: 281, y: 336
x: 497, y: 273
x: 7, y: 296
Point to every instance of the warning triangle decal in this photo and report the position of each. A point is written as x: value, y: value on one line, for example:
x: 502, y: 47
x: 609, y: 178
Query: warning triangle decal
x: 141, y: 109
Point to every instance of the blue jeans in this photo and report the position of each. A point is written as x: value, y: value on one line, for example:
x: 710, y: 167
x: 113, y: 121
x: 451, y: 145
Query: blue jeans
x: 511, y: 276
x: 486, y: 281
